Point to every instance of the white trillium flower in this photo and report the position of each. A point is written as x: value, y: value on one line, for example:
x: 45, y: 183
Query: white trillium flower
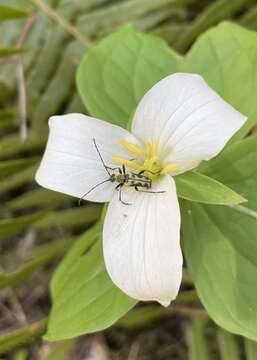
x: 177, y: 124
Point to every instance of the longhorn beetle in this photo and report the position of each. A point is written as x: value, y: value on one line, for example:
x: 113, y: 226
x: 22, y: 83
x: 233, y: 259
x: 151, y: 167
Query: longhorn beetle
x: 138, y: 181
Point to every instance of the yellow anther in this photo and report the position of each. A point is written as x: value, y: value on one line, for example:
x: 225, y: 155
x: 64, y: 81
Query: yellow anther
x: 133, y: 149
x: 169, y: 168
x: 129, y: 163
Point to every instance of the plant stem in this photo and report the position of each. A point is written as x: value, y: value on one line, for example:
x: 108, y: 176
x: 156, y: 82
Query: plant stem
x: 244, y: 210
x: 22, y: 96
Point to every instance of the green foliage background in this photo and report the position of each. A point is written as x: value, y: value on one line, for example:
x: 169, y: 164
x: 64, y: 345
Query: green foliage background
x: 38, y: 227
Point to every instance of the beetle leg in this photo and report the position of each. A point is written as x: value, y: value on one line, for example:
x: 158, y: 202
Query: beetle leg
x: 151, y: 192
x: 111, y: 168
x: 119, y: 186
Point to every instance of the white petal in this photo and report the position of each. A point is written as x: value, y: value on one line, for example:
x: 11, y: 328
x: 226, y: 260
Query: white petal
x: 71, y: 164
x: 141, y: 243
x: 190, y: 120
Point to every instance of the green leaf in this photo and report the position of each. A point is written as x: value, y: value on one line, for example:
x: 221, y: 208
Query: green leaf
x: 226, y: 57
x: 115, y: 74
x: 236, y: 167
x: 10, y: 12
x: 9, y: 51
x: 201, y: 188
x: 220, y: 249
x: 84, y: 298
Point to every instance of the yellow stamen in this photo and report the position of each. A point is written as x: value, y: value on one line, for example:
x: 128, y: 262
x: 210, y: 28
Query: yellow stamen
x: 133, y: 149
x: 129, y: 163
x: 146, y: 160
x: 147, y: 151
x: 169, y: 168
x: 154, y: 149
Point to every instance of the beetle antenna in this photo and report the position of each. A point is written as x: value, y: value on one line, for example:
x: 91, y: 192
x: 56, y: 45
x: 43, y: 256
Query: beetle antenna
x: 101, y: 158
x: 93, y: 188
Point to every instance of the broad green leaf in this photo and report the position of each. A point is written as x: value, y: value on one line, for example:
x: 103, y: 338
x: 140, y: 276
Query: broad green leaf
x: 236, y: 167
x: 81, y: 246
x: 201, y: 188
x: 115, y: 74
x: 84, y: 298
x: 220, y: 248
x: 10, y: 12
x: 226, y: 57
x: 9, y: 51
